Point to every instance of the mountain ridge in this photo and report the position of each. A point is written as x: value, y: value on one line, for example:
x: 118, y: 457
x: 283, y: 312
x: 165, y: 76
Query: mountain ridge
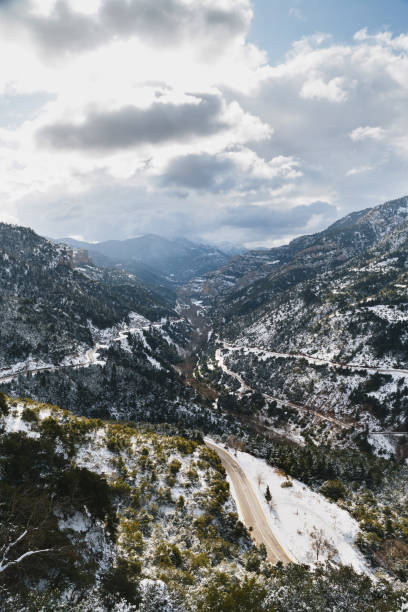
x: 156, y: 259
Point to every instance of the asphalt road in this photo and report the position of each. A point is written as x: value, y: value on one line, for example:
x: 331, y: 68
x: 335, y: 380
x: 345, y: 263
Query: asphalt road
x: 250, y: 508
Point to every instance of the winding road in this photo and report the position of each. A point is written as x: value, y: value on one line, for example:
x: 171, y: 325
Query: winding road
x: 317, y: 360
x: 83, y: 360
x: 245, y: 387
x: 249, y: 507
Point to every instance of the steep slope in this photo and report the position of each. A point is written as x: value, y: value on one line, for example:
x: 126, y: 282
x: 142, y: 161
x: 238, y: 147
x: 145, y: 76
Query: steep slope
x: 100, y: 516
x: 327, y: 330
x: 250, y: 279
x: 93, y: 340
x: 116, y: 510
x: 48, y: 302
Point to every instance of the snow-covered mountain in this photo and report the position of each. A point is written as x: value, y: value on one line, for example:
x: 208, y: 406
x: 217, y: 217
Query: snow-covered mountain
x: 157, y: 260
x: 307, y: 255
x: 296, y: 355
x: 48, y: 299
x: 325, y: 324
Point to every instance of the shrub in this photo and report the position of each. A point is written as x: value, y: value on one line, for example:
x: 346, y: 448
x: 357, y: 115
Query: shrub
x: 333, y: 489
x: 180, y: 502
x: 86, y: 488
x: 4, y: 409
x: 29, y: 415
x: 174, y: 466
x: 118, y: 581
x: 286, y: 484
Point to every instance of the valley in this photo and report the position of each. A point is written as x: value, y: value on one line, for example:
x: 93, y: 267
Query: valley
x: 247, y: 404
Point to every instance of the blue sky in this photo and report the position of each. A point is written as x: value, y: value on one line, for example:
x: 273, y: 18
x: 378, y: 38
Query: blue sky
x: 277, y: 23
x: 251, y: 121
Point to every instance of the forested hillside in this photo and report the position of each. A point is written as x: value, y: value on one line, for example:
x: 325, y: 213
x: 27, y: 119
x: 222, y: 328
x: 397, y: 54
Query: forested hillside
x: 296, y: 355
x: 327, y: 327
x: 47, y: 302
x: 119, y: 517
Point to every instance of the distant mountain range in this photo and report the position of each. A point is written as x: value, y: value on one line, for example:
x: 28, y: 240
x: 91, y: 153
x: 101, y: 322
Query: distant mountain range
x: 157, y: 260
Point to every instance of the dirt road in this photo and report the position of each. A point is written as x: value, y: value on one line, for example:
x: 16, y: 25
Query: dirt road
x: 249, y: 507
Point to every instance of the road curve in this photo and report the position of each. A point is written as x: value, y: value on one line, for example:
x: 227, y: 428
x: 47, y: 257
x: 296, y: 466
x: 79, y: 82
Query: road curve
x: 245, y: 387
x: 250, y: 508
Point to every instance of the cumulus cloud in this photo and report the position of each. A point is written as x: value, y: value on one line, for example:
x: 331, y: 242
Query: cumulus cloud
x: 240, y: 170
x: 317, y: 89
x: 167, y: 110
x: 200, y: 171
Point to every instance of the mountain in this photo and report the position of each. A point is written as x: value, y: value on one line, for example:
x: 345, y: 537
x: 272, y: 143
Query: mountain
x: 94, y: 340
x: 155, y: 259
x: 291, y: 359
x: 305, y: 256
x: 322, y: 322
x: 48, y: 302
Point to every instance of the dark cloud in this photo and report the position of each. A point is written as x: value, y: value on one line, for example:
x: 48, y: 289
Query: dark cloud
x: 117, y: 211
x: 265, y: 222
x: 63, y: 31
x: 166, y: 21
x: 218, y: 173
x: 202, y: 172
x: 131, y: 126
x: 161, y: 22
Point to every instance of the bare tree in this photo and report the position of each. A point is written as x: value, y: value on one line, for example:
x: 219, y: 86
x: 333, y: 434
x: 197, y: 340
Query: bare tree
x: 7, y: 550
x: 321, y: 545
x: 318, y: 542
x: 234, y: 443
x: 23, y: 539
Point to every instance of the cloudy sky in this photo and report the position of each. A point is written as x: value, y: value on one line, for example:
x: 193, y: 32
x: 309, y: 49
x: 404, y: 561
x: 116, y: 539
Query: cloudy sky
x: 251, y: 122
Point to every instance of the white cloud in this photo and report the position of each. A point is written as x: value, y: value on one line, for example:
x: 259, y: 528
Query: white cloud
x: 317, y: 89
x: 229, y: 129
x: 368, y: 133
x: 360, y: 170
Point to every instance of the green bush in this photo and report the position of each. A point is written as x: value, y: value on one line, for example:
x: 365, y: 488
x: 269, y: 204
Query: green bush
x: 86, y: 488
x: 120, y: 580
x: 333, y: 489
x: 29, y: 415
x: 4, y: 409
x: 174, y: 466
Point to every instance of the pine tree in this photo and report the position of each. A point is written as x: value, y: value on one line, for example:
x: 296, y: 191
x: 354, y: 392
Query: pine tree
x: 4, y: 409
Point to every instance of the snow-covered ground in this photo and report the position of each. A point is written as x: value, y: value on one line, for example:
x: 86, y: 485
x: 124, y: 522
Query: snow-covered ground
x: 219, y: 358
x: 90, y: 356
x: 393, y: 314
x: 297, y: 512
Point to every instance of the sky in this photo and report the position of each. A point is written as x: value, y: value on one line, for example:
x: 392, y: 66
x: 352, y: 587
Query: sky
x: 217, y: 120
